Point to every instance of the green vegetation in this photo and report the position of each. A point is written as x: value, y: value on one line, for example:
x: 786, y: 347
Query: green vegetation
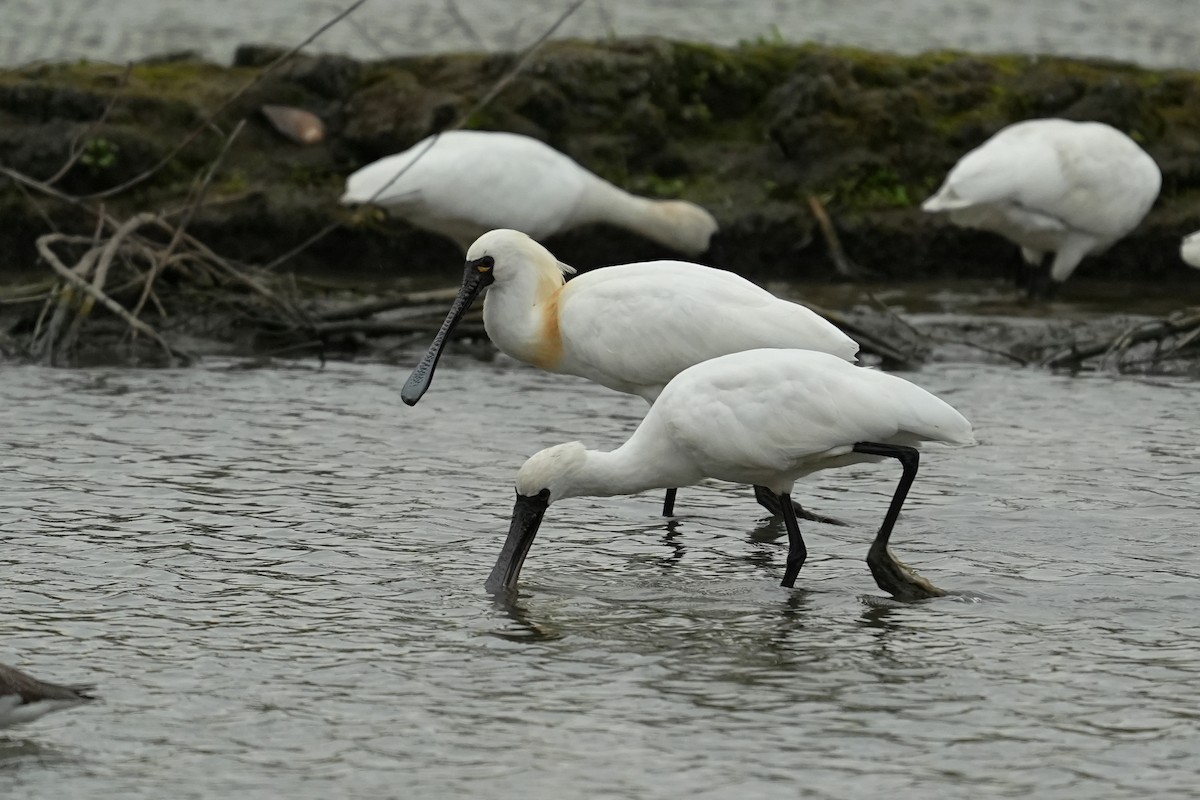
x: 748, y: 131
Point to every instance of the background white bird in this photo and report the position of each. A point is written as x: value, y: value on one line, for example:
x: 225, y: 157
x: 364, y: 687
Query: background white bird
x: 1189, y: 250
x: 1052, y: 185
x: 462, y: 184
x: 631, y: 327
x: 767, y: 417
x: 24, y: 698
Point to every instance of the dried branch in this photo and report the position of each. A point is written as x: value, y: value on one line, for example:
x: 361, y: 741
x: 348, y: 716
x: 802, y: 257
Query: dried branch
x: 180, y: 230
x: 933, y: 337
x: 70, y: 276
x: 1073, y: 356
x: 841, y: 262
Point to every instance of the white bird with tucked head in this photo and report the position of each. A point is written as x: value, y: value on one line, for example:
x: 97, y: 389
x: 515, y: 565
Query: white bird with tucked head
x: 24, y: 698
x: 766, y: 417
x: 1189, y: 250
x: 631, y: 327
x: 462, y: 184
x: 1052, y: 185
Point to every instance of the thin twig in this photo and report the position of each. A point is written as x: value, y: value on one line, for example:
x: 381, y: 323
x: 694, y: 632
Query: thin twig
x: 478, y: 106
x: 841, y: 262
x: 933, y: 337
x: 43, y: 246
x: 44, y: 188
x: 465, y: 25
x: 107, y: 253
x: 210, y: 119
x: 181, y: 229
x: 1075, y: 354
x: 76, y: 152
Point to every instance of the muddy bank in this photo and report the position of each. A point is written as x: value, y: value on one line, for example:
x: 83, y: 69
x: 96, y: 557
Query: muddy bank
x: 748, y: 132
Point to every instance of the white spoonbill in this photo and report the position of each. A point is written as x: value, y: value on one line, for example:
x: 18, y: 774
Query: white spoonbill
x: 631, y: 327
x: 24, y: 698
x: 1052, y: 185
x: 462, y: 184
x: 766, y: 417
x: 1189, y: 250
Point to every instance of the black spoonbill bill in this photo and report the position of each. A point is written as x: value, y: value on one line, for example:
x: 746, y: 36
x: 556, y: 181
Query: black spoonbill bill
x: 463, y: 184
x: 24, y: 698
x: 1189, y: 250
x: 1052, y: 185
x: 766, y: 417
x: 631, y: 327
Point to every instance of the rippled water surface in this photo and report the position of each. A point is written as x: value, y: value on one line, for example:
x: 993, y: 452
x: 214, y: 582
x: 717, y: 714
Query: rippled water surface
x: 275, y: 576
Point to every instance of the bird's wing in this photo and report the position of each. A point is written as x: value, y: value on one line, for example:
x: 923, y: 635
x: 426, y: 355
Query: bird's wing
x: 642, y: 324
x: 488, y: 180
x: 777, y: 408
x: 1088, y: 177
x: 1016, y: 166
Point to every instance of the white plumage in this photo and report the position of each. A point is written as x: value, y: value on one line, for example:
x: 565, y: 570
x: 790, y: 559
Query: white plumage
x: 24, y: 698
x: 765, y: 417
x: 1052, y: 185
x: 631, y: 327
x: 462, y: 184
x: 1189, y: 250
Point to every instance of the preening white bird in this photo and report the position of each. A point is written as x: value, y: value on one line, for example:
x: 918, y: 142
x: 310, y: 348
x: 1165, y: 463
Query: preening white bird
x: 462, y: 184
x: 1052, y: 186
x: 24, y: 698
x: 1189, y: 250
x: 631, y: 327
x: 767, y: 417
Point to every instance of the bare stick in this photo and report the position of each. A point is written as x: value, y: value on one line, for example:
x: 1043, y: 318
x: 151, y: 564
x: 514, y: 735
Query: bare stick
x: 43, y: 246
x: 1076, y: 354
x: 933, y: 337
x: 841, y: 262
x: 107, y: 254
x: 60, y: 300
x: 209, y: 120
x: 165, y: 258
x: 46, y: 189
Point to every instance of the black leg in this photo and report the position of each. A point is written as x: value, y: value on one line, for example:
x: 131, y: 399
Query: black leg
x: 669, y: 503
x: 797, y: 552
x: 770, y: 501
x: 890, y: 573
x: 1041, y: 286
x: 1028, y: 275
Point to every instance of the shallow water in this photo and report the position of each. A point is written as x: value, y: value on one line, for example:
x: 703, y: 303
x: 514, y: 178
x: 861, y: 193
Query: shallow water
x: 275, y: 576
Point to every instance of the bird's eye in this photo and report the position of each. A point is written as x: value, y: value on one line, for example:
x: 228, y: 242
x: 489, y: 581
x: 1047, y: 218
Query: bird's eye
x: 485, y: 264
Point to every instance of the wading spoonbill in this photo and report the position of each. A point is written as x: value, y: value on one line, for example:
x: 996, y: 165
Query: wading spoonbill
x: 463, y: 184
x: 1189, y: 250
x: 631, y: 327
x: 24, y: 698
x: 1052, y: 185
x: 766, y: 417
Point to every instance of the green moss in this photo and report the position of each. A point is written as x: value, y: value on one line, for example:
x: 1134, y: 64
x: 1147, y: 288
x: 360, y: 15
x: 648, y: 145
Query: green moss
x: 874, y: 187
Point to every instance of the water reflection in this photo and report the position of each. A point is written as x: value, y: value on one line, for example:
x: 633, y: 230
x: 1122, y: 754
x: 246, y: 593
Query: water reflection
x: 236, y: 550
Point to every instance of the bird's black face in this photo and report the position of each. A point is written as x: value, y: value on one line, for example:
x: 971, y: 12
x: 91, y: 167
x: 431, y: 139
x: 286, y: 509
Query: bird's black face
x: 477, y: 275
x: 526, y: 517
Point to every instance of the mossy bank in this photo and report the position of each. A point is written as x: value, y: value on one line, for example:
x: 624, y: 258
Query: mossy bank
x: 748, y: 132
